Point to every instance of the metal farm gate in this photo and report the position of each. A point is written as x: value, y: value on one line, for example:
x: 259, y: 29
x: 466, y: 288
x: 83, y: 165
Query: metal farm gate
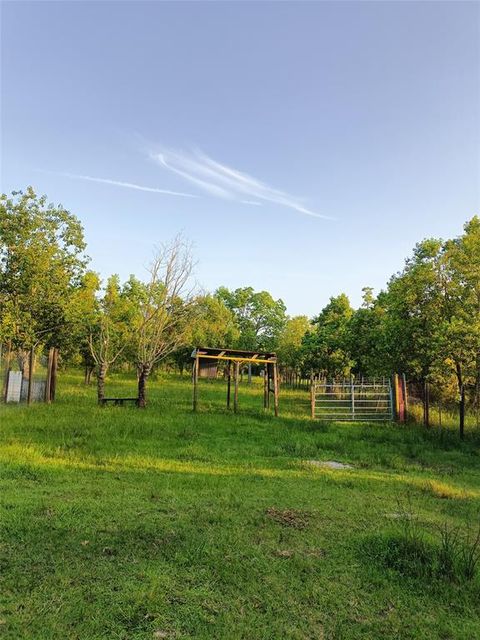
x: 352, y: 401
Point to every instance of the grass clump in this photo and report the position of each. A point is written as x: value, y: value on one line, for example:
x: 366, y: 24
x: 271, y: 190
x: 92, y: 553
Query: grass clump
x: 412, y: 552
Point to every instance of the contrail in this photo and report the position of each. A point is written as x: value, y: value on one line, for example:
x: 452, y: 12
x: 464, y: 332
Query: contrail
x: 127, y: 185
x: 222, y: 181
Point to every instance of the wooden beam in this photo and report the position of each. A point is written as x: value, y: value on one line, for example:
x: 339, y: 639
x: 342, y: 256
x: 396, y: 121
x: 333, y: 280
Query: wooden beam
x: 237, y: 359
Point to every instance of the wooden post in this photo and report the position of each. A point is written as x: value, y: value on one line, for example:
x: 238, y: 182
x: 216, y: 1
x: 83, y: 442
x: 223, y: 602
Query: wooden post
x: 48, y: 386
x: 393, y: 392
x: 426, y: 404
x: 352, y: 392
x: 268, y: 386
x: 312, y: 397
x: 53, y: 378
x: 265, y: 387
x: 462, y: 412
x: 229, y: 382
x: 8, y: 359
x: 275, y: 388
x: 394, y: 397
x: 235, y: 386
x: 195, y: 383
x: 30, y: 375
x: 405, y: 395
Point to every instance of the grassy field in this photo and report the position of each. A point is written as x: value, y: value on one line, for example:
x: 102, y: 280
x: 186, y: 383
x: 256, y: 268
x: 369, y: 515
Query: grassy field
x: 126, y: 524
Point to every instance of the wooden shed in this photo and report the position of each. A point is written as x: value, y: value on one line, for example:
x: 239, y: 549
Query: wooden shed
x: 234, y: 358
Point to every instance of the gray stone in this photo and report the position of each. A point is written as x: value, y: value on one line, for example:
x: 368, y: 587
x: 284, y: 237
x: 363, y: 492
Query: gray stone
x: 329, y: 464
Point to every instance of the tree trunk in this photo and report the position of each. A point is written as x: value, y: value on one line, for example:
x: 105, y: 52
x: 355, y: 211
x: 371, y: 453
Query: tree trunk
x: 88, y: 374
x: 461, y: 389
x: 249, y: 373
x: 477, y: 393
x: 101, y: 375
x: 144, y: 372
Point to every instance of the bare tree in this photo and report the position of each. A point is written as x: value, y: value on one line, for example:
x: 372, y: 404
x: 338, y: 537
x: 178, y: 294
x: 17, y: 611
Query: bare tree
x: 164, y: 310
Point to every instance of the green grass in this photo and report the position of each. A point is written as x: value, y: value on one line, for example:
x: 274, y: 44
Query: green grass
x: 118, y: 523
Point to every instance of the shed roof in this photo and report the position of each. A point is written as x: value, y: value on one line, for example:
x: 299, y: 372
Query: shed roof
x: 234, y: 354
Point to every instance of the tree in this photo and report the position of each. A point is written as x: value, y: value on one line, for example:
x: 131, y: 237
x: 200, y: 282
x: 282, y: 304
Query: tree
x: 42, y: 262
x: 324, y: 348
x: 111, y: 329
x: 462, y: 322
x: 80, y: 317
x: 289, y: 346
x: 415, y: 312
x: 164, y: 311
x: 365, y: 337
x: 214, y: 326
x: 260, y: 318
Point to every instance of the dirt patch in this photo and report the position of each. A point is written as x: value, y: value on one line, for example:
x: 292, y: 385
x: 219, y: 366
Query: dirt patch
x: 289, y: 517
x: 329, y: 464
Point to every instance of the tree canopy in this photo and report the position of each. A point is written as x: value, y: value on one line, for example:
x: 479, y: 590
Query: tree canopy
x: 42, y: 263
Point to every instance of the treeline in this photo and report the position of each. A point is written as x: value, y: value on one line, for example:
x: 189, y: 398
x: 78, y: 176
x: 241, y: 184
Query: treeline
x: 426, y: 323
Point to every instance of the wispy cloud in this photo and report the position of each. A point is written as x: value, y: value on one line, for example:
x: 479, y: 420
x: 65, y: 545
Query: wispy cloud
x: 128, y: 185
x: 221, y: 181
x: 252, y: 202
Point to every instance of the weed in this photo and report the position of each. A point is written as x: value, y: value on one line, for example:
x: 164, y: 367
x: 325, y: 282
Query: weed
x: 470, y: 555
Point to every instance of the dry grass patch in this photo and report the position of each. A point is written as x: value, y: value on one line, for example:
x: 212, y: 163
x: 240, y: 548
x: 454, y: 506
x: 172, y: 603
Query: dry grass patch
x: 289, y: 517
x: 443, y: 490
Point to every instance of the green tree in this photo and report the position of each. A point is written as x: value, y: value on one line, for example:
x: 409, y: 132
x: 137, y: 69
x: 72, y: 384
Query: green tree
x: 80, y: 317
x: 259, y: 317
x: 213, y: 325
x: 365, y: 337
x: 461, y: 261
x: 289, y: 348
x: 111, y: 329
x: 42, y: 263
x: 325, y: 349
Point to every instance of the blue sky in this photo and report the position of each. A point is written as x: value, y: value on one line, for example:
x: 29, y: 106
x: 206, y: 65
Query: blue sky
x: 311, y: 144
